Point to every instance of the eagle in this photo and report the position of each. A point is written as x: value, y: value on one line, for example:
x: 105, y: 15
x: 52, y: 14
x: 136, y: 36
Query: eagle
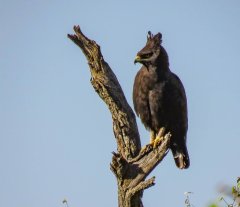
x: 159, y: 99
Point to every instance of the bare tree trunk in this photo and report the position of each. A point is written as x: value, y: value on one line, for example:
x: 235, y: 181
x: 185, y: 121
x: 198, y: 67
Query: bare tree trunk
x: 130, y: 164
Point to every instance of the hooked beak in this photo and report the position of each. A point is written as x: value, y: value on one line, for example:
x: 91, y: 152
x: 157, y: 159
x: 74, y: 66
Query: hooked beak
x: 137, y: 59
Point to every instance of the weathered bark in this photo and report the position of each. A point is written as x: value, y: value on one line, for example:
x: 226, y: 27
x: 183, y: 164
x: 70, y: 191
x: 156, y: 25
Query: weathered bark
x: 130, y: 164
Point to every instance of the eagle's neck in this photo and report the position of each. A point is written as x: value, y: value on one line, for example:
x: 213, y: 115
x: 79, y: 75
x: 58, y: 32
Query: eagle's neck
x: 161, y: 64
x: 161, y: 68
x: 160, y: 72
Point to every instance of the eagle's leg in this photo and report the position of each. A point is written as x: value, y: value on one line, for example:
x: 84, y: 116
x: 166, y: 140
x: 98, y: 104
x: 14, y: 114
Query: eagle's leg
x: 159, y: 137
x: 151, y: 144
x: 152, y: 137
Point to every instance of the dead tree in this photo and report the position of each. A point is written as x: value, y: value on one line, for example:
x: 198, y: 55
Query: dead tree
x: 130, y: 164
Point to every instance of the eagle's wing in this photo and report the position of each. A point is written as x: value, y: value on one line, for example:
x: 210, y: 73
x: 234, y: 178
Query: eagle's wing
x: 180, y: 125
x: 181, y: 101
x: 140, y: 98
x: 157, y: 107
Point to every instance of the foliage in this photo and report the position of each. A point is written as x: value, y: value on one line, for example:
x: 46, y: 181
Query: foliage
x: 213, y: 205
x: 187, y: 200
x: 65, y: 202
x: 234, y: 193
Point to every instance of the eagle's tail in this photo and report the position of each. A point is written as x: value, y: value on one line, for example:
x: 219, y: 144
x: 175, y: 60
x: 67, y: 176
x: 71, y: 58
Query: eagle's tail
x: 181, y: 157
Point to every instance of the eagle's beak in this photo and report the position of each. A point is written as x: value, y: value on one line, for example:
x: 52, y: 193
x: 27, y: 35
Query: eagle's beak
x: 137, y: 59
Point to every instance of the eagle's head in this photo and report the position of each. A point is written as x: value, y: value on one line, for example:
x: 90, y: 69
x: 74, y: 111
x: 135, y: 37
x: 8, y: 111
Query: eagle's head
x: 151, y: 53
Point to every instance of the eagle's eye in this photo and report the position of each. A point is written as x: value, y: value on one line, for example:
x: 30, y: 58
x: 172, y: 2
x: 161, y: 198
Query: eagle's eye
x: 147, y: 55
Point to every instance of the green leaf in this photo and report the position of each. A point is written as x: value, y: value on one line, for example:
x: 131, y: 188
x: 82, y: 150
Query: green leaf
x: 234, y: 191
x: 238, y: 183
x: 238, y: 180
x: 220, y: 199
x: 213, y: 205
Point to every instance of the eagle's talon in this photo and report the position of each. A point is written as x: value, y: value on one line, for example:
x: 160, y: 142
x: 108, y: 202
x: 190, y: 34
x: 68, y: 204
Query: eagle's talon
x: 157, y: 141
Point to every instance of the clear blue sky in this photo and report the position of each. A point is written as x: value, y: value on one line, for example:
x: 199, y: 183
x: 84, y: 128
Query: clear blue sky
x: 56, y: 135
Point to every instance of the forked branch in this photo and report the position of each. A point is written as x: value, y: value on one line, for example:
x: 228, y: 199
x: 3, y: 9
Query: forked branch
x: 130, y: 164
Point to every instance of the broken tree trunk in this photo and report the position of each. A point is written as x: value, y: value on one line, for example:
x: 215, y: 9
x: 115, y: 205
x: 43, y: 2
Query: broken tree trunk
x: 130, y: 164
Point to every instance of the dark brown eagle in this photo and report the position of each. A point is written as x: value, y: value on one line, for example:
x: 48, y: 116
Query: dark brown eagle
x: 159, y: 99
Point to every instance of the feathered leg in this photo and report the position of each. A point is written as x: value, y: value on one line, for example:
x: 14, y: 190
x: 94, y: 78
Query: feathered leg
x: 152, y: 137
x: 159, y: 137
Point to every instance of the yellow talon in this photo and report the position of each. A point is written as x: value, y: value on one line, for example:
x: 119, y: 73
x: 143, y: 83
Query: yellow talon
x: 157, y: 141
x: 152, y: 137
x: 159, y: 137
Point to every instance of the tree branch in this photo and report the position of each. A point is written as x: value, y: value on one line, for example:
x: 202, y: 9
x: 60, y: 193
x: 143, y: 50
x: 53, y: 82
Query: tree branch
x: 141, y: 186
x: 131, y: 165
x: 107, y: 86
